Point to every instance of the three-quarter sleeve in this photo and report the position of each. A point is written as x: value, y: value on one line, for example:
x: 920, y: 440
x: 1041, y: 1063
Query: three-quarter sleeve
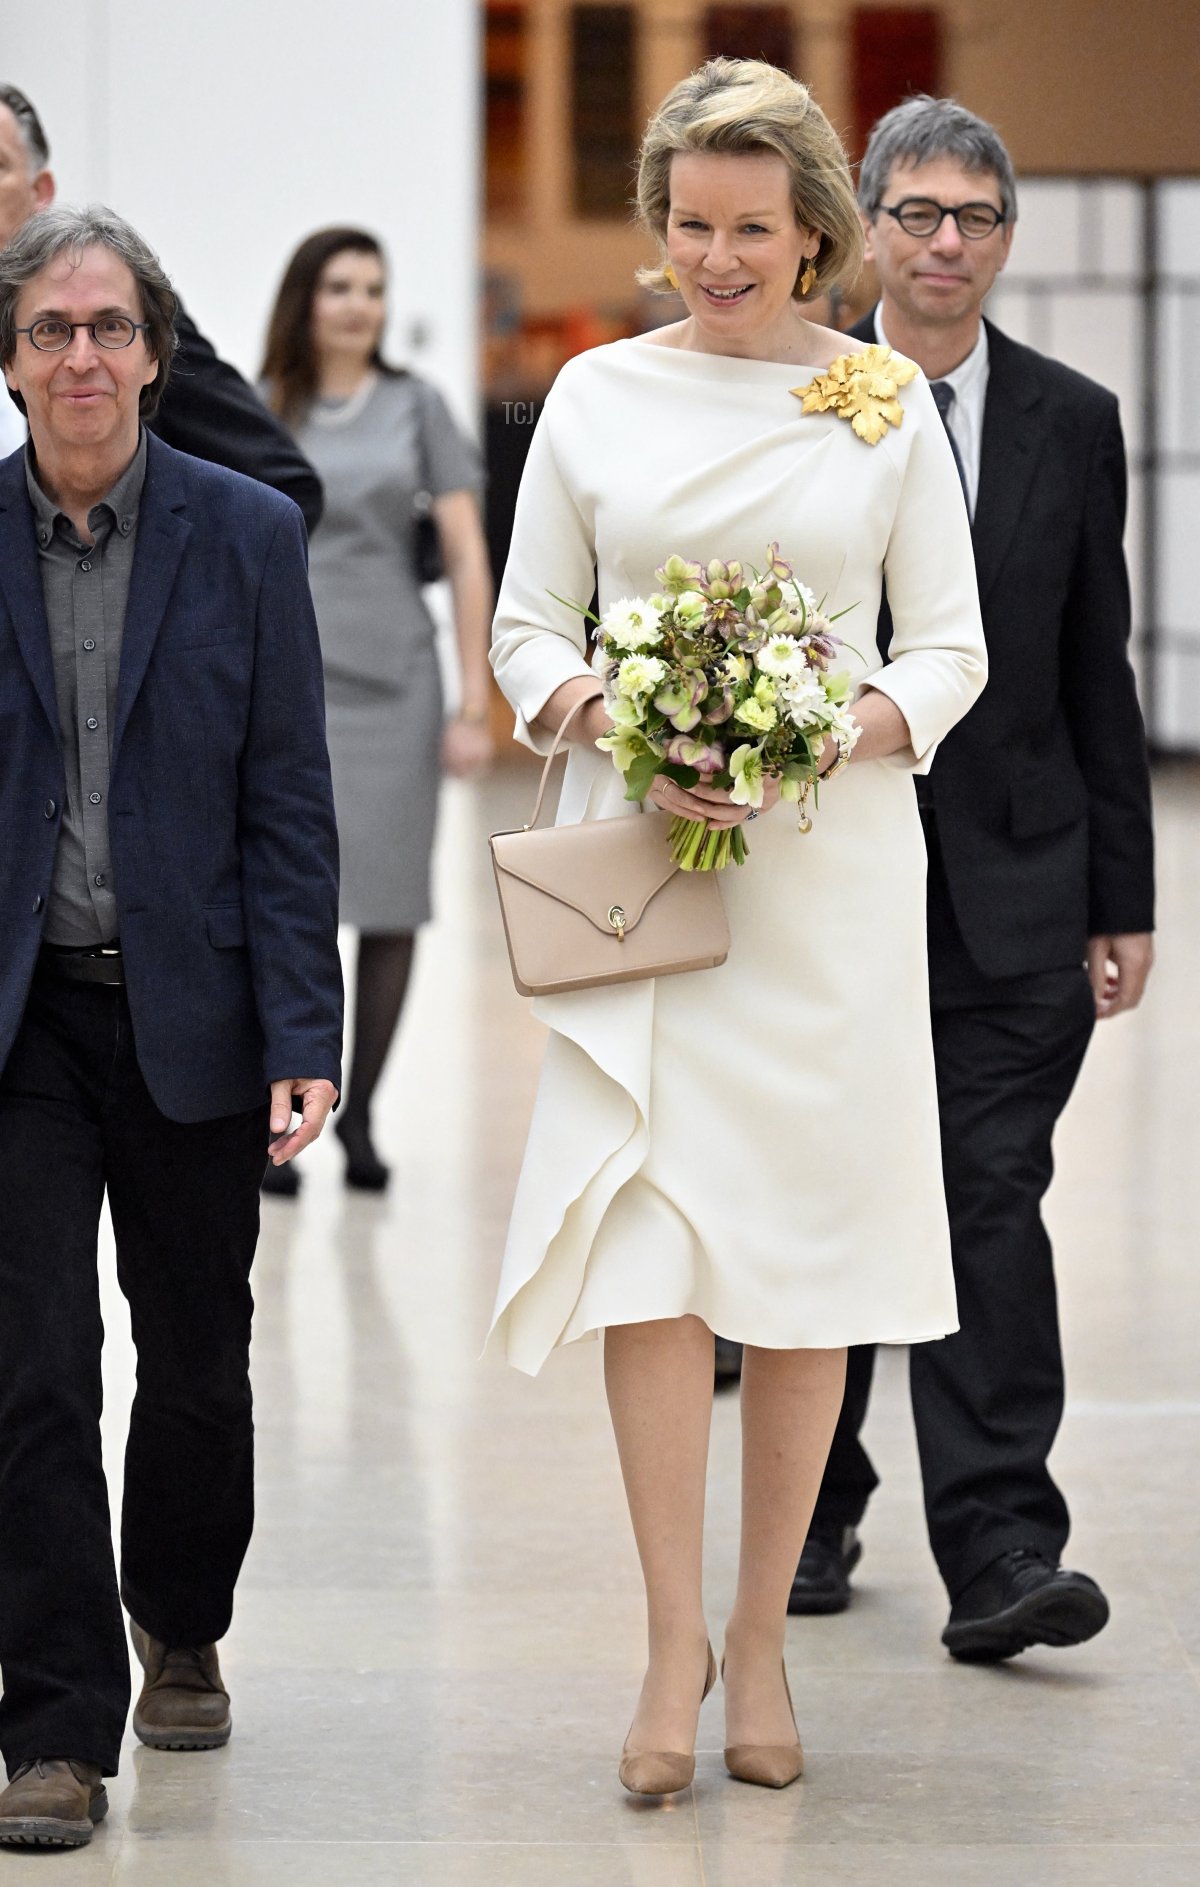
x: 451, y: 459
x: 538, y: 643
x: 938, y: 665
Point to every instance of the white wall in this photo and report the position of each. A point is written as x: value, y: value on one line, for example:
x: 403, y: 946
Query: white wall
x: 226, y: 130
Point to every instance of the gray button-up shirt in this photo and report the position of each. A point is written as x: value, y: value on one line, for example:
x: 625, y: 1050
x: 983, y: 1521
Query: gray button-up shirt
x: 86, y: 589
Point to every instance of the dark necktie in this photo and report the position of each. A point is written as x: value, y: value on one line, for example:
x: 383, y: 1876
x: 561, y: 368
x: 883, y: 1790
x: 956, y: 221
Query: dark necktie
x: 943, y: 399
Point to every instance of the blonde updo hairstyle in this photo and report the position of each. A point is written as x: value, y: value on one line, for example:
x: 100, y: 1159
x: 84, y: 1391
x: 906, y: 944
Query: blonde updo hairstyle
x: 744, y: 107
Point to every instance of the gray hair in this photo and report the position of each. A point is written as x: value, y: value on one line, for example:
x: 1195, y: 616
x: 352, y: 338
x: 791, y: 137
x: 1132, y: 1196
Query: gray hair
x: 922, y: 128
x: 33, y: 135
x: 61, y: 230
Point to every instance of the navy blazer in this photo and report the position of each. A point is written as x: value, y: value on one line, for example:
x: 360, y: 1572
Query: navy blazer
x: 1042, y: 791
x: 221, y: 824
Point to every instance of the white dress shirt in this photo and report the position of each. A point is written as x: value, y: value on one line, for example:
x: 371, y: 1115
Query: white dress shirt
x: 13, y: 430
x: 969, y: 381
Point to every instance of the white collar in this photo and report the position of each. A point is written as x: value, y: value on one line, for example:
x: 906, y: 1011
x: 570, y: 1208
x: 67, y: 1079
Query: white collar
x: 968, y: 375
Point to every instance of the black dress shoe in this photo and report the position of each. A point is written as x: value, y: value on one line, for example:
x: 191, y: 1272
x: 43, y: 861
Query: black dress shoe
x: 1022, y: 1599
x: 822, y: 1581
x: 364, y: 1168
x: 728, y: 1364
x: 281, y: 1182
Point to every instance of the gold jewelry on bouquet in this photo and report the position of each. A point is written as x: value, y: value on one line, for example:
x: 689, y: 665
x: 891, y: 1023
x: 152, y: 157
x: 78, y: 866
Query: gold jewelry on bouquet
x: 805, y: 820
x: 808, y: 280
x: 670, y: 275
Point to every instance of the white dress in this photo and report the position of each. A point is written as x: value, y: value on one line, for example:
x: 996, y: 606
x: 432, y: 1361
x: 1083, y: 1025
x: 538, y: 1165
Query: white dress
x: 757, y: 1144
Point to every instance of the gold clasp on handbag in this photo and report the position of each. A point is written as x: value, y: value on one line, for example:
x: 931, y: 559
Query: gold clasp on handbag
x: 616, y: 918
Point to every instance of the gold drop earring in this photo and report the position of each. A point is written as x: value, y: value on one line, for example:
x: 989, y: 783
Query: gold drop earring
x: 808, y: 280
x: 670, y: 275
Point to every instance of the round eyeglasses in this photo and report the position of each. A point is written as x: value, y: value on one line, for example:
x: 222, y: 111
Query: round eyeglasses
x: 111, y: 331
x: 921, y: 216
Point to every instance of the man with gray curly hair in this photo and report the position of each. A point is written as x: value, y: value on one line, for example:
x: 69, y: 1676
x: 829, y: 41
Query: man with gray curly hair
x: 1040, y: 901
x: 170, y: 994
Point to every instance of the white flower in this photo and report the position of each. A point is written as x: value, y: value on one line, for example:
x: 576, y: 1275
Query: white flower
x: 781, y: 656
x: 810, y: 601
x: 632, y: 623
x: 639, y: 675
x: 805, y: 697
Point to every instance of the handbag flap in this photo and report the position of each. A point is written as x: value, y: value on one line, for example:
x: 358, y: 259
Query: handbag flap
x: 594, y: 868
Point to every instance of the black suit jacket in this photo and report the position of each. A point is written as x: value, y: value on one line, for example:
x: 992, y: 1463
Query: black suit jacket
x: 1041, y: 794
x: 209, y: 411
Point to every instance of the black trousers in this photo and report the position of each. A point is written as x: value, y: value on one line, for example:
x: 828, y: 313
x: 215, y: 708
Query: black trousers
x: 987, y: 1401
x: 76, y: 1120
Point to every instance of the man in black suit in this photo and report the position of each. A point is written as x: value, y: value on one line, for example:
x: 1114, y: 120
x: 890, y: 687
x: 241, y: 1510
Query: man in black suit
x: 1037, y: 819
x: 208, y: 410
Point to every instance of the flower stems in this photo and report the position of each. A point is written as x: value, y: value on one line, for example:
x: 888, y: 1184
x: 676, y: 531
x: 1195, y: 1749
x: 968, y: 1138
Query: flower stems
x: 695, y: 848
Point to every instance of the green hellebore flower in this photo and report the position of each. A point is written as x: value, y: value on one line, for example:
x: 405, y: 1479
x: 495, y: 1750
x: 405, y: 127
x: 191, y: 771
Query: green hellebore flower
x: 689, y: 605
x: 685, y: 752
x: 677, y: 573
x: 624, y: 712
x: 745, y: 764
x: 718, y: 706
x: 673, y: 698
x: 778, y: 566
x: 626, y: 745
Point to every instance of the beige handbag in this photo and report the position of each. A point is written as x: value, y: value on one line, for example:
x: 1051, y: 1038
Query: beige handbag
x: 602, y: 902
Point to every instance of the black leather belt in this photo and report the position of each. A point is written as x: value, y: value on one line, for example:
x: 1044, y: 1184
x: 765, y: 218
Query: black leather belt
x: 94, y: 963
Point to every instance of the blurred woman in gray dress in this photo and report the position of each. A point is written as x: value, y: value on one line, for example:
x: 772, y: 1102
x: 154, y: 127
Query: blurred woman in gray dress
x: 384, y: 444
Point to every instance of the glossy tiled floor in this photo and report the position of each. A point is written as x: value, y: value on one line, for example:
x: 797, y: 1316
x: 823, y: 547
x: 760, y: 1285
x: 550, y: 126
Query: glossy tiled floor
x: 438, y: 1635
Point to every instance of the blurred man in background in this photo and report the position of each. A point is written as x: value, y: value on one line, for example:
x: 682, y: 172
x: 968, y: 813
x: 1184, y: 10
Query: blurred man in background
x: 208, y: 409
x: 1037, y: 821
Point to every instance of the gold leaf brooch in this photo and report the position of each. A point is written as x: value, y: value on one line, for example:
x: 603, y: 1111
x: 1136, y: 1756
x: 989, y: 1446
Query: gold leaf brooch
x: 861, y: 388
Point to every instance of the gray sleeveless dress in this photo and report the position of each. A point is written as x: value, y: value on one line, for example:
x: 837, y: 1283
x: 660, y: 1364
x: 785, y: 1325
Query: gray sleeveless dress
x: 383, y: 693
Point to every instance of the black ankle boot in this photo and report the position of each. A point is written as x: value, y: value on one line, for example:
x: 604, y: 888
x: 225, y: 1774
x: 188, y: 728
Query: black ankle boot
x: 364, y: 1168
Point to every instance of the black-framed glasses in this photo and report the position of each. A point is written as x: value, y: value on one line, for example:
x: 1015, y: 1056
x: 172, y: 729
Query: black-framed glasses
x: 921, y: 216
x: 112, y: 331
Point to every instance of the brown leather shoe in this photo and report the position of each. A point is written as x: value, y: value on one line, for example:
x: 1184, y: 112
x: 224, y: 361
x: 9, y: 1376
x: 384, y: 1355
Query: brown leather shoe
x: 184, y: 1704
x: 52, y: 1803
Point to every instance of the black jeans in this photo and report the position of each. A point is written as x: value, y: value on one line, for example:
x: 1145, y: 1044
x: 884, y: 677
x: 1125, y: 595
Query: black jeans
x: 76, y: 1120
x: 987, y: 1401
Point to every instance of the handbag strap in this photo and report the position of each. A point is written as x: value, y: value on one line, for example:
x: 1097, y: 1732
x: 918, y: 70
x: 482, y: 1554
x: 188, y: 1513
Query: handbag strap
x: 423, y: 491
x: 553, y: 755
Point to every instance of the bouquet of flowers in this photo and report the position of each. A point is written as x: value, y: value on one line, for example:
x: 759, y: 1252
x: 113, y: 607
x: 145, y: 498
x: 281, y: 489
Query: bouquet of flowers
x: 725, y: 677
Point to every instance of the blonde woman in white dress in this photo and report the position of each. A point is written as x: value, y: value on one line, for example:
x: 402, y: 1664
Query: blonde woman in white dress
x: 750, y: 1151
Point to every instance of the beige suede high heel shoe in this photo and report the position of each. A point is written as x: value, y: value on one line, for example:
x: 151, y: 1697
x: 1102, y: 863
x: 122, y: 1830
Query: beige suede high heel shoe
x: 770, y: 1765
x: 662, y: 1771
